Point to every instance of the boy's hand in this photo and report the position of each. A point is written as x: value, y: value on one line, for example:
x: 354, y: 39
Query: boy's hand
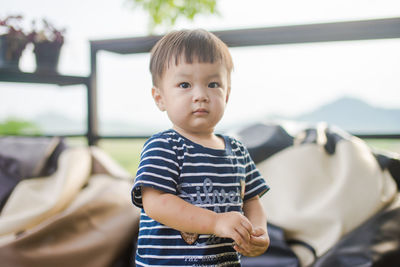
x: 236, y: 226
x: 259, y: 242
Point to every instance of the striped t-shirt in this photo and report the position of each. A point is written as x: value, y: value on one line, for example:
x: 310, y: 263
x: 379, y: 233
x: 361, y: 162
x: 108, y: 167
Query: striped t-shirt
x: 215, y: 179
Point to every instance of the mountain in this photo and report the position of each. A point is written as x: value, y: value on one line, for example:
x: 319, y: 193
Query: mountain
x: 116, y: 127
x: 350, y: 114
x: 356, y: 116
x: 56, y: 123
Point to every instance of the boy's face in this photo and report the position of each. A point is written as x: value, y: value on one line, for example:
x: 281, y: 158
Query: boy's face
x: 194, y: 95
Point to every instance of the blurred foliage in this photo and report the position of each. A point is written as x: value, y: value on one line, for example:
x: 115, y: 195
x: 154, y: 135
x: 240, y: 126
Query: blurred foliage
x: 166, y: 12
x: 14, y: 126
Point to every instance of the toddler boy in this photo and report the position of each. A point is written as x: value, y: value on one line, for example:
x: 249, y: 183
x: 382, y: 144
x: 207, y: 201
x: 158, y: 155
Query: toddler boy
x: 199, y: 191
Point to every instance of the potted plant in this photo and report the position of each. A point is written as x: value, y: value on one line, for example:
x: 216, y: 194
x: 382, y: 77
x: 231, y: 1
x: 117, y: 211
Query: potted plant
x: 47, y: 46
x: 12, y: 42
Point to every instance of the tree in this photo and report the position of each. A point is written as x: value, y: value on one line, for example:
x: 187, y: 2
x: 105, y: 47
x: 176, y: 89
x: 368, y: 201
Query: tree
x: 14, y: 126
x: 166, y: 12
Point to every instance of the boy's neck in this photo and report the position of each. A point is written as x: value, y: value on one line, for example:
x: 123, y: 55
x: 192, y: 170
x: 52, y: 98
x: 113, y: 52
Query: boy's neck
x: 206, y: 139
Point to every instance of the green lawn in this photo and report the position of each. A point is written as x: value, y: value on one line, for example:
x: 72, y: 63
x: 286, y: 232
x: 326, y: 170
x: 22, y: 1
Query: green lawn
x: 392, y: 145
x: 127, y: 151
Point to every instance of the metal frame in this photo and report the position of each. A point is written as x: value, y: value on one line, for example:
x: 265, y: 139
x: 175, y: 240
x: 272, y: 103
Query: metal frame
x: 310, y: 33
x: 16, y: 76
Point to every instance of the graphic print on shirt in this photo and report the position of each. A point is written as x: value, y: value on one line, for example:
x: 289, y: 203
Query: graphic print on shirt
x: 221, y: 200
x: 209, y: 195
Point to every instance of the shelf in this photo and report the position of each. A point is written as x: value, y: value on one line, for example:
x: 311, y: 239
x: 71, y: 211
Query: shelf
x: 7, y: 75
x: 307, y: 33
x: 16, y: 76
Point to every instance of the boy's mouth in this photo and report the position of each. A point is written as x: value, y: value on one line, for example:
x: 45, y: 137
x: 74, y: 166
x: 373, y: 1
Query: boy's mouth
x: 200, y: 111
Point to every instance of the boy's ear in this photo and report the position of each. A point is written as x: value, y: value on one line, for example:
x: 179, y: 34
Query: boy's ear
x: 155, y: 92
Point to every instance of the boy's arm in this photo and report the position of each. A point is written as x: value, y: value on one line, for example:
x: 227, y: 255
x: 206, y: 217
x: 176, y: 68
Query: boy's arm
x: 176, y: 213
x: 259, y: 241
x: 254, y: 211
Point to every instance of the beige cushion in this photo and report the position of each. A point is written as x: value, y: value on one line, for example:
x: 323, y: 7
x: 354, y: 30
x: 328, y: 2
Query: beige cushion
x: 317, y: 198
x: 72, y: 218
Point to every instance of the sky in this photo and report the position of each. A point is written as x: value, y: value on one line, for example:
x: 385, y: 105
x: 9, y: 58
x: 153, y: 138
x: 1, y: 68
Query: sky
x: 286, y: 80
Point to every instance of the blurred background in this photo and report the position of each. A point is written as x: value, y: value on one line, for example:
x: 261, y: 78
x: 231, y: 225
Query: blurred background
x: 352, y: 84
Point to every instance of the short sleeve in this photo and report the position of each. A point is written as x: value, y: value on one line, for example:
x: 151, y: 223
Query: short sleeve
x: 255, y: 183
x: 158, y: 168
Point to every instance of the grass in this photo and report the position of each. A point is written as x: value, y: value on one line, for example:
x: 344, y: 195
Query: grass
x: 124, y: 151
x: 392, y: 145
x: 127, y: 151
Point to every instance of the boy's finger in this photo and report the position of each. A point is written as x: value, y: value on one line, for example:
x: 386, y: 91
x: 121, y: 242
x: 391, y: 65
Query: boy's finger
x: 243, y: 233
x: 238, y: 239
x: 238, y: 249
x: 247, y: 225
x: 258, y: 231
x: 244, y: 245
x: 260, y: 241
x: 244, y: 240
x: 241, y: 250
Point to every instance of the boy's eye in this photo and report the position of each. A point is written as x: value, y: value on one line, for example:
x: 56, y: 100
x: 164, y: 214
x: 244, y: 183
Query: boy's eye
x: 184, y: 85
x: 213, y: 85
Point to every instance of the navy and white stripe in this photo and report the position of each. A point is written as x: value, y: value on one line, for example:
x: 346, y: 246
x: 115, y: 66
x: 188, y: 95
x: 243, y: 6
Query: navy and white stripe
x: 208, y: 178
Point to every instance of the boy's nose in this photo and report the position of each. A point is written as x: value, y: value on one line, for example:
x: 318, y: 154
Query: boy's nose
x: 200, y: 95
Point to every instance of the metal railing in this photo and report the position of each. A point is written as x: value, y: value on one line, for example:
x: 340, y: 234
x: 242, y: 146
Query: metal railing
x: 311, y: 33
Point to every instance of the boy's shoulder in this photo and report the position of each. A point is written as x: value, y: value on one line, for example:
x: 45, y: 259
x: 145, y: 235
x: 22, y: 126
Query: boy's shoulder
x: 163, y: 134
x: 169, y: 134
x: 235, y: 143
x: 164, y: 138
x: 160, y: 136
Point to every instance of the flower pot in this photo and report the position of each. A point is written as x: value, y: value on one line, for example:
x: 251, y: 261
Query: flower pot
x: 47, y: 55
x: 11, y: 47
